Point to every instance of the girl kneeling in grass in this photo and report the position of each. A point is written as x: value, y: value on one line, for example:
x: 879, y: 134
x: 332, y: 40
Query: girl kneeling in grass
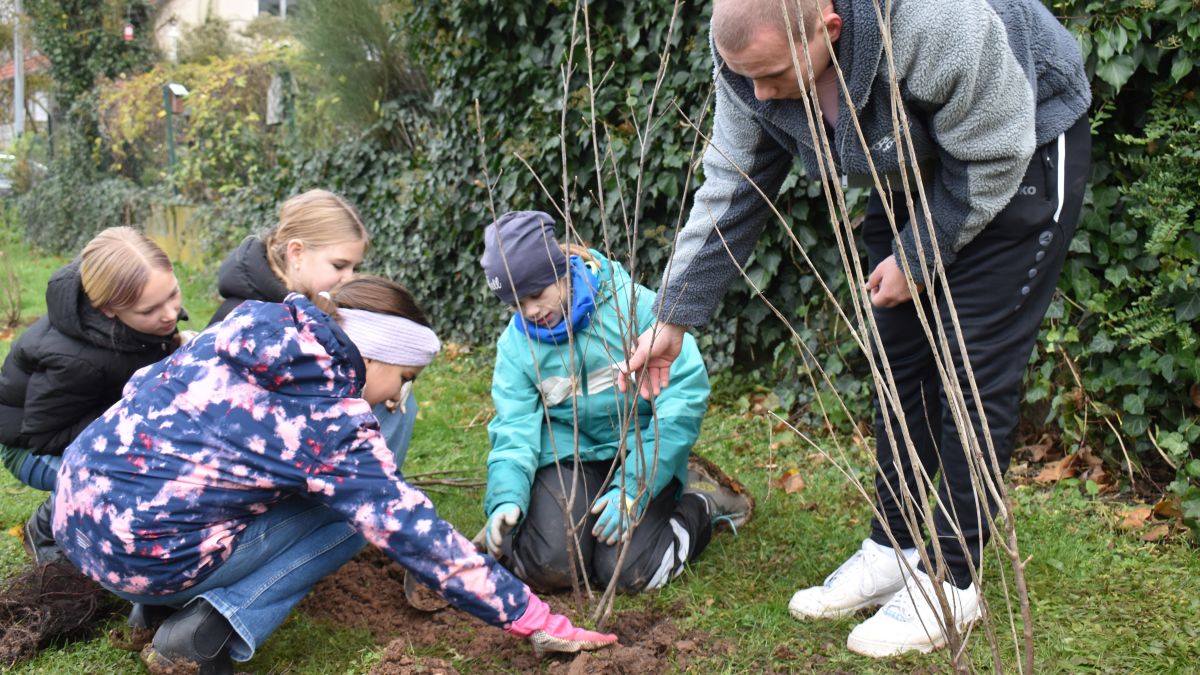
x: 569, y: 452
x: 236, y: 474
x: 319, y: 241
x: 108, y: 313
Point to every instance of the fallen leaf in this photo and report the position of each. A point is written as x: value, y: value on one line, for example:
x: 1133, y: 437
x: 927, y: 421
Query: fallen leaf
x: 1196, y: 394
x: 761, y: 404
x: 1040, y: 451
x: 1157, y: 532
x: 1056, y: 471
x: 791, y: 481
x: 781, y: 426
x: 1089, y: 457
x: 1135, y: 518
x: 15, y: 531
x: 1168, y: 508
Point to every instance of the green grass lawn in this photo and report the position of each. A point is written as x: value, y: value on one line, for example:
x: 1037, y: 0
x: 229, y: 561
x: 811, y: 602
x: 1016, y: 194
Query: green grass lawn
x: 1104, y: 600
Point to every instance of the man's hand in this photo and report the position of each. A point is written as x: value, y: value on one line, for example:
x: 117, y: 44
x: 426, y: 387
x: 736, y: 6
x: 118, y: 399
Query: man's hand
x: 887, y: 285
x: 656, y: 350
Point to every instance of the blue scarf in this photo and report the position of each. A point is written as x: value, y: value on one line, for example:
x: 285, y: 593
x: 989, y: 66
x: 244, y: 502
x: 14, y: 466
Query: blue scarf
x: 584, y: 282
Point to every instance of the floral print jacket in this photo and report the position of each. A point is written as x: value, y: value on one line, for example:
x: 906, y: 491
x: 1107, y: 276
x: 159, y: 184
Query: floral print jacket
x: 152, y: 496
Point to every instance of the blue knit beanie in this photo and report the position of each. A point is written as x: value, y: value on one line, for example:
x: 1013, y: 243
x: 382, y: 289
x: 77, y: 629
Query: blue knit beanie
x: 533, y: 256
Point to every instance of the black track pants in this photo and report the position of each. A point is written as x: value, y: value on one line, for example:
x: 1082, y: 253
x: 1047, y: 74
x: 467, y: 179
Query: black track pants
x: 672, y: 532
x: 1001, y: 283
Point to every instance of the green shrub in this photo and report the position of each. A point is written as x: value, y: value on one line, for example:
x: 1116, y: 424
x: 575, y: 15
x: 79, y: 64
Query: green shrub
x: 1119, y: 350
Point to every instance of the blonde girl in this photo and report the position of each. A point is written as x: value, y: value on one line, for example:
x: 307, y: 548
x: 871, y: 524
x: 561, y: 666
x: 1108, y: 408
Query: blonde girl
x: 318, y: 243
x: 110, y: 312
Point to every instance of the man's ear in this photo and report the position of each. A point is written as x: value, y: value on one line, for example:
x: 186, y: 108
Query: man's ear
x: 833, y: 24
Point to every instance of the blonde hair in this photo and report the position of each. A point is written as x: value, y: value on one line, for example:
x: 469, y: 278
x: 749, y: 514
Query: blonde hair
x: 115, y: 267
x: 315, y: 218
x: 734, y: 21
x: 584, y: 253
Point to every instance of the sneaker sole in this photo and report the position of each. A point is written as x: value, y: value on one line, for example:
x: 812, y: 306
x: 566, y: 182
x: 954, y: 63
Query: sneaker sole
x: 879, y: 649
x: 836, y: 613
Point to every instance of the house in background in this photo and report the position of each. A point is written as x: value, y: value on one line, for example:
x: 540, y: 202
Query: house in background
x: 37, y: 94
x: 175, y: 17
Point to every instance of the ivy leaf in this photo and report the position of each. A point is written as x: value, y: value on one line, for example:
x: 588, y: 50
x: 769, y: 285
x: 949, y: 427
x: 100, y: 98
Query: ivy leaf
x: 1116, y: 71
x: 1188, y: 309
x: 1181, y: 66
x: 1116, y: 274
x: 1102, y: 343
x: 1133, y: 404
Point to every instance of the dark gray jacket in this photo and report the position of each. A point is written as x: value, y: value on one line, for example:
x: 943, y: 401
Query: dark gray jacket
x: 983, y: 84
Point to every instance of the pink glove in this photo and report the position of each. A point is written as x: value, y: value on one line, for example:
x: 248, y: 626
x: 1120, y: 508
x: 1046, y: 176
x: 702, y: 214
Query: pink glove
x: 554, y: 632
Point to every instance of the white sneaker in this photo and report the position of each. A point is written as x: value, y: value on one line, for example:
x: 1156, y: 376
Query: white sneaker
x: 912, y: 619
x: 867, y: 579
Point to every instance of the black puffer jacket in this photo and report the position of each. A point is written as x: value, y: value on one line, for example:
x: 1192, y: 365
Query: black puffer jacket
x: 68, y: 368
x: 244, y: 275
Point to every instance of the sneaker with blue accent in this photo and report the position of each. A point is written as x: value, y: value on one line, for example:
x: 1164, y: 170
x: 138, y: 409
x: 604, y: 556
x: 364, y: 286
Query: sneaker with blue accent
x: 913, y: 619
x: 867, y: 579
x: 730, y: 504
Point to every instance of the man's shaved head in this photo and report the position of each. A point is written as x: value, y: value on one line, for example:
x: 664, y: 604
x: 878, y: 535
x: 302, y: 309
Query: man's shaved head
x: 734, y: 21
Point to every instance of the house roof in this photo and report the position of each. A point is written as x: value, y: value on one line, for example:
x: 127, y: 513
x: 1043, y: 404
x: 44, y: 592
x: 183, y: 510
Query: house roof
x: 34, y: 63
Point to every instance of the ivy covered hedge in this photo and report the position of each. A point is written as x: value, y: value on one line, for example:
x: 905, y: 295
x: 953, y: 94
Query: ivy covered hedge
x: 1119, y: 349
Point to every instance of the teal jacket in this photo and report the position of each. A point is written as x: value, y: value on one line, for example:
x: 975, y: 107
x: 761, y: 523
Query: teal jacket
x: 534, y: 381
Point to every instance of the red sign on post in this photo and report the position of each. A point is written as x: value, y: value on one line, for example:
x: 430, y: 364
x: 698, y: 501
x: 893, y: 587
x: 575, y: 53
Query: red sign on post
x: 129, y: 32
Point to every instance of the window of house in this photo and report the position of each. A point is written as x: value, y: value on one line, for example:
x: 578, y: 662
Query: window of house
x: 278, y: 7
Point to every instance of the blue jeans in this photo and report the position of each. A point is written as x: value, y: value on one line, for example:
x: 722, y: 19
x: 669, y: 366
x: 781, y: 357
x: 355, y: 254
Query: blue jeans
x: 397, y: 428
x: 275, y: 563
x: 37, y: 471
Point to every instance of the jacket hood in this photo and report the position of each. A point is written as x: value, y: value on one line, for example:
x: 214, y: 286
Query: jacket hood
x: 71, y: 313
x: 292, y: 348
x: 245, y: 273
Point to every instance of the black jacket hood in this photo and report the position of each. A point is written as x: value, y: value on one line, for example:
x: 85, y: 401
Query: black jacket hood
x: 246, y: 274
x: 71, y: 313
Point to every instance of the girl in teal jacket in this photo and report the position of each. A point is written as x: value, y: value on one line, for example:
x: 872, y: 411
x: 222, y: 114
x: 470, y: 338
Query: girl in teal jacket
x: 565, y: 440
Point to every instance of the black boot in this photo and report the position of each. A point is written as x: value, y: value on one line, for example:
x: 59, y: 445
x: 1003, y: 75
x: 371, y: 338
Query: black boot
x: 149, y: 616
x: 39, y: 538
x: 196, y: 634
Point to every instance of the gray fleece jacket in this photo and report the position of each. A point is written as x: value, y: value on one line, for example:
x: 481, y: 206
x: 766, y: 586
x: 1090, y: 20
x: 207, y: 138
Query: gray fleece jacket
x: 983, y: 82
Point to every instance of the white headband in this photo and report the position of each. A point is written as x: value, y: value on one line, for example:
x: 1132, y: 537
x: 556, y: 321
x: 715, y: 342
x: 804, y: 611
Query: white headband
x: 390, y: 339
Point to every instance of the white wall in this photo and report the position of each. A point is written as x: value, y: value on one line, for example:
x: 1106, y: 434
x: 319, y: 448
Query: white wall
x: 191, y: 13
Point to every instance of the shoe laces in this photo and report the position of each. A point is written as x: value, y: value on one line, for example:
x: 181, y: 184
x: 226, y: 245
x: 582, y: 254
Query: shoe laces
x: 902, y: 606
x: 859, y: 559
x: 728, y: 519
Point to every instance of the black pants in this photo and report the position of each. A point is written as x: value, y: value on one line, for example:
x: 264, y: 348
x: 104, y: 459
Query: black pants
x: 1001, y: 283
x: 540, y: 552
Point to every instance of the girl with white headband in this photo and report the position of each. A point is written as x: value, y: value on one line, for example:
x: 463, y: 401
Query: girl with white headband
x: 236, y: 474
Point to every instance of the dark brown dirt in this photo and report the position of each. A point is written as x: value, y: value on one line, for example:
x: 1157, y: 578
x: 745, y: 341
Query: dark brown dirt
x: 367, y: 593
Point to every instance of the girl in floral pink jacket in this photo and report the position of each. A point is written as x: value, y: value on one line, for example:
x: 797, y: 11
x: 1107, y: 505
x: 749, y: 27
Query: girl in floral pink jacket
x: 237, y: 473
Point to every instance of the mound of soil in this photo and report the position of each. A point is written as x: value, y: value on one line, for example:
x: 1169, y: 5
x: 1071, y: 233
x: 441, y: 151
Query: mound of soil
x: 367, y: 593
